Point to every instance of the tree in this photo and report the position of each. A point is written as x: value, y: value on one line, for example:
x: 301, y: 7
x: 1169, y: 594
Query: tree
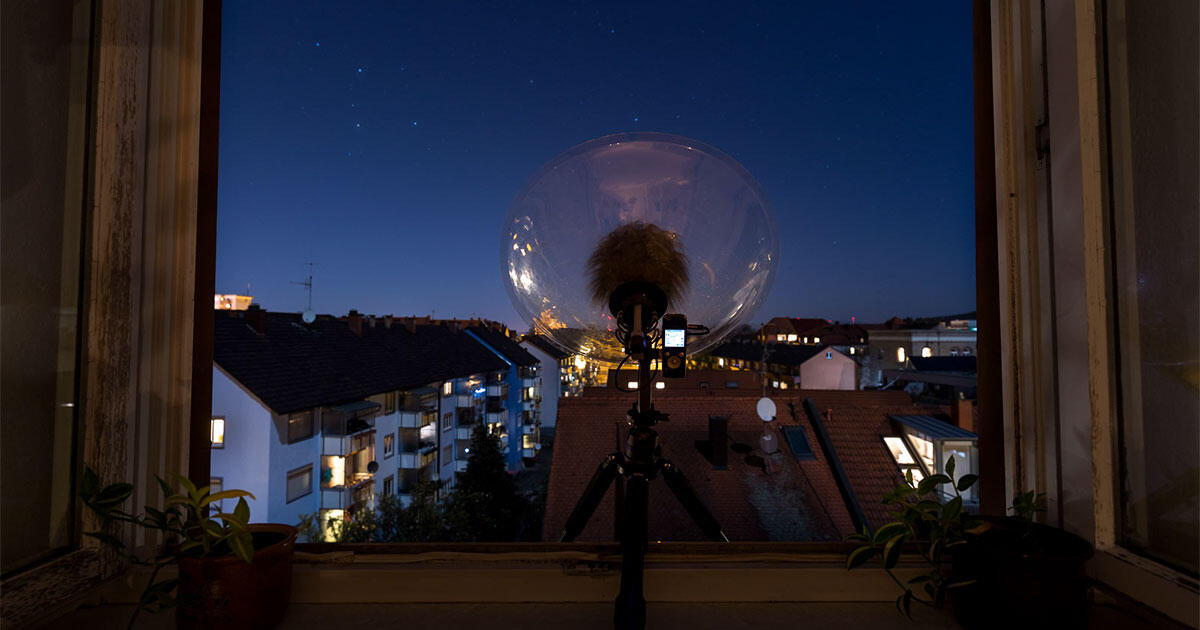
x: 484, y: 505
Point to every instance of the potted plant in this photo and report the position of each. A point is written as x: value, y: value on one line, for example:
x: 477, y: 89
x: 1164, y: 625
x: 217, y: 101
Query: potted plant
x: 231, y: 573
x: 995, y: 571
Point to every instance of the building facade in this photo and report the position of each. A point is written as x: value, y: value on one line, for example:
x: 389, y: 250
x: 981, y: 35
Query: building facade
x: 325, y: 417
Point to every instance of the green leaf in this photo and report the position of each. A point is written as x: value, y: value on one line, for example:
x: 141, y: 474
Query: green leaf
x: 888, y: 531
x: 950, y: 467
x: 113, y: 495
x: 213, y: 528
x: 952, y: 509
x: 908, y: 597
x: 185, y: 482
x: 167, y: 490
x: 242, y: 544
x: 227, y: 494
x: 891, y: 551
x: 931, y: 482
x: 966, y: 481
x: 859, y: 556
x: 960, y: 583
x: 242, y: 510
x: 855, y: 538
x: 89, y: 484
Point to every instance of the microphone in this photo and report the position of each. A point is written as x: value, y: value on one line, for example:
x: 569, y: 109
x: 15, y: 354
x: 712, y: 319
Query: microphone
x: 637, y: 270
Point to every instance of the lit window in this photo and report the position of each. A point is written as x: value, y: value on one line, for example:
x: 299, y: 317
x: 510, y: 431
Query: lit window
x: 660, y: 385
x: 299, y: 482
x: 217, y: 432
x: 447, y: 388
x: 389, y: 445
x: 721, y: 362
x: 780, y: 337
x: 528, y: 441
x: 852, y: 351
x: 783, y: 385
x: 899, y: 451
x: 775, y: 384
x: 926, y: 352
x: 388, y: 482
x: 806, y: 340
x: 816, y: 340
x: 953, y: 352
x: 828, y: 355
x: 791, y: 338
x: 632, y: 385
x: 900, y: 355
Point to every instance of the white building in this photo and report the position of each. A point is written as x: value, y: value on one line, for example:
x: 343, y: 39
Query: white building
x: 324, y: 417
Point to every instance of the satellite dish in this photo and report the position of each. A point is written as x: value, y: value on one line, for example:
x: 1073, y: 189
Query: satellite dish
x: 766, y: 409
x: 373, y: 467
x: 722, y: 255
x: 309, y: 317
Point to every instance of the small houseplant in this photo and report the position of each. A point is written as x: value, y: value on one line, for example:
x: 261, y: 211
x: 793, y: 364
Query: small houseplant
x: 932, y: 527
x: 231, y: 573
x: 996, y: 571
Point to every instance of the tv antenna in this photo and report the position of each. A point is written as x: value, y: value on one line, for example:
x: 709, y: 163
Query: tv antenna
x: 308, y: 315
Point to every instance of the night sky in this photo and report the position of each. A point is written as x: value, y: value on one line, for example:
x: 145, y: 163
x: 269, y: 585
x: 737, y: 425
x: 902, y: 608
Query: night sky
x: 384, y: 142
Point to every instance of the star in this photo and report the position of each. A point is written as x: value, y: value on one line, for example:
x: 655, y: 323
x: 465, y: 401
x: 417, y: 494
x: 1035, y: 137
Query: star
x: 360, y: 70
x: 635, y: 119
x: 414, y: 123
x: 318, y: 44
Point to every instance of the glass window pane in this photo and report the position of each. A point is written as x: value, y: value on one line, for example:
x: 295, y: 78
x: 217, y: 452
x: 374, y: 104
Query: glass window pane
x: 1156, y: 235
x: 44, y: 106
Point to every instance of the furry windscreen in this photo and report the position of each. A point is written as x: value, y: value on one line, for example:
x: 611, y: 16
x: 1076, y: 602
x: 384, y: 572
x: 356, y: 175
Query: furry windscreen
x: 638, y: 252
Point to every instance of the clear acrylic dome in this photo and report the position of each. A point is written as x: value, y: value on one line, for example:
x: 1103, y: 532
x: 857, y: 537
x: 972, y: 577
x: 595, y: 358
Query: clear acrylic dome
x: 712, y: 207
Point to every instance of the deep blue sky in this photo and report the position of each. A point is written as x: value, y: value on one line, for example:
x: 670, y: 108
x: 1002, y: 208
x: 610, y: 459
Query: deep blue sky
x: 384, y: 142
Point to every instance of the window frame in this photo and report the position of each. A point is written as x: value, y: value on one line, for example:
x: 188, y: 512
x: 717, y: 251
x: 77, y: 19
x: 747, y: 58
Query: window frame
x: 212, y: 424
x: 299, y: 470
x: 312, y: 425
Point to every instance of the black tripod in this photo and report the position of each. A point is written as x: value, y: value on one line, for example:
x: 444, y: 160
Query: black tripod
x: 639, y: 464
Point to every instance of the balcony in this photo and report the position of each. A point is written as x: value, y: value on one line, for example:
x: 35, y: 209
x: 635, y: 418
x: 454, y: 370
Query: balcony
x: 422, y: 456
x: 462, y: 433
x: 528, y: 453
x: 460, y: 465
x: 335, y: 444
x: 528, y: 405
x: 497, y: 416
x: 463, y: 401
x: 529, y: 382
x: 528, y: 429
x: 417, y: 419
x: 496, y: 389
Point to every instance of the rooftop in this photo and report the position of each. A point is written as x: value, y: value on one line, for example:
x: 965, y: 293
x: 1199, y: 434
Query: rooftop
x: 294, y: 366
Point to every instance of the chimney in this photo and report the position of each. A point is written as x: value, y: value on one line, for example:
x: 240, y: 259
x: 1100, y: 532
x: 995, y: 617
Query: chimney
x: 354, y: 321
x: 257, y: 319
x: 718, y: 441
x: 963, y: 413
x: 387, y: 322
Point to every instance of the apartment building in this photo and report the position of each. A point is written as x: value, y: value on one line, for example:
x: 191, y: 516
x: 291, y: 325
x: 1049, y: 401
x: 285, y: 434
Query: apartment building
x: 327, y: 416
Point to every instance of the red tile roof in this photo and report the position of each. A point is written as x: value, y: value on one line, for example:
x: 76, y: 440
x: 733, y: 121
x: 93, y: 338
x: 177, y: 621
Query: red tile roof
x: 797, y: 500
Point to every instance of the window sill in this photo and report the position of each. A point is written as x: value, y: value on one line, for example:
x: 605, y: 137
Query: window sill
x: 1148, y: 582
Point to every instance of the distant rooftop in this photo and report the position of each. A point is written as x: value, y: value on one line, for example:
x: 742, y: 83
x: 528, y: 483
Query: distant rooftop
x: 292, y: 366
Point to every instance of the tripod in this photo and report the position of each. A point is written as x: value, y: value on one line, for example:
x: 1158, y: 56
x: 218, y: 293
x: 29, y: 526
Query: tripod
x: 639, y: 464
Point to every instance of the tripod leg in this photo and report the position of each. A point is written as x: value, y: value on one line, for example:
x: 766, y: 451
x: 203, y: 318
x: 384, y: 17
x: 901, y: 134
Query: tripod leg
x: 591, y: 498
x: 630, y: 607
x: 691, y: 501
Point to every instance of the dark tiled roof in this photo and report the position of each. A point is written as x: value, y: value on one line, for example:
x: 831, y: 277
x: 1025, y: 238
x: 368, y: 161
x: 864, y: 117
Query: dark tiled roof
x: 796, y: 500
x: 934, y: 428
x: 778, y: 353
x: 857, y: 429
x: 505, y: 345
x: 958, y: 365
x: 547, y: 346
x: 296, y: 366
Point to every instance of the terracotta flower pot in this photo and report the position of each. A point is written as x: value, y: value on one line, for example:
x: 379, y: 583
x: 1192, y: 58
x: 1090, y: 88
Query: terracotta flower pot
x: 224, y: 592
